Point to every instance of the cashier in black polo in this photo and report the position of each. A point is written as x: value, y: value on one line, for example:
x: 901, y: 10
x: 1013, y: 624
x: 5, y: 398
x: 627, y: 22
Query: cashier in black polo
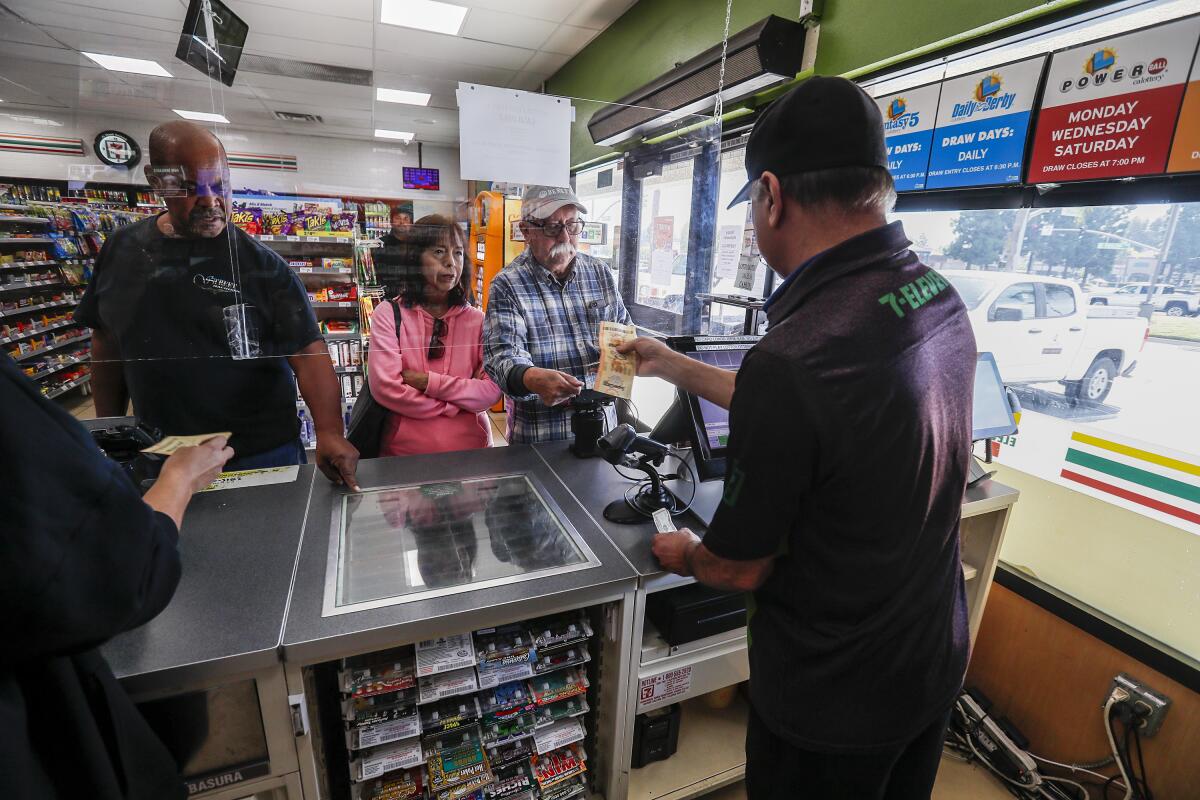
x: 204, y: 327
x: 849, y: 445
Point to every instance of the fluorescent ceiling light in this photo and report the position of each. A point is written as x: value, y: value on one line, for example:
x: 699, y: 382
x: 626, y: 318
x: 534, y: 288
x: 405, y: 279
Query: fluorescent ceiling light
x: 200, y: 116
x: 402, y: 96
x: 404, y: 136
x: 427, y: 15
x: 139, y: 66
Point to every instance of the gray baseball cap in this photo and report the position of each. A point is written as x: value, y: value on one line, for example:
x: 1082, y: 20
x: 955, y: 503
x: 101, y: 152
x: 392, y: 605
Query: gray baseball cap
x: 539, y: 202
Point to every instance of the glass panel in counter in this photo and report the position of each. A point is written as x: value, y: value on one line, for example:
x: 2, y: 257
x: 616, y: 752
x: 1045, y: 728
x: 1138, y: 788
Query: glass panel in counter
x: 405, y: 543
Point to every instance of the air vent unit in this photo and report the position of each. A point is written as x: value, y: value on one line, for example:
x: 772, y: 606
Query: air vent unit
x: 291, y: 116
x: 288, y: 68
x: 767, y: 52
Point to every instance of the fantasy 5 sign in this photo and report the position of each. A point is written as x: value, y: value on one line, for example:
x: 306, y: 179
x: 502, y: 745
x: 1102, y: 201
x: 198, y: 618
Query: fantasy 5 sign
x: 1110, y: 107
x: 908, y: 130
x: 982, y: 126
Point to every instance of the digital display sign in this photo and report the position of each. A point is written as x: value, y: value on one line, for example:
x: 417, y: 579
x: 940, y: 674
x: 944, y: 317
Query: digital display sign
x: 422, y: 178
x: 982, y: 126
x: 908, y: 119
x: 1185, y: 151
x: 1109, y: 107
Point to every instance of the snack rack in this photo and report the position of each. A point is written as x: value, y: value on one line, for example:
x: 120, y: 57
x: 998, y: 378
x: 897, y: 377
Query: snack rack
x: 48, y: 248
x: 496, y: 714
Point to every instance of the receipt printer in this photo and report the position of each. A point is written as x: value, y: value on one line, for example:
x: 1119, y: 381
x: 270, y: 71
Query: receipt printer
x: 655, y: 735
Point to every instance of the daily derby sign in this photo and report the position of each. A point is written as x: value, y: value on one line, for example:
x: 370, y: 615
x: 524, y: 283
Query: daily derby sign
x: 982, y: 125
x: 1109, y: 108
x: 908, y: 120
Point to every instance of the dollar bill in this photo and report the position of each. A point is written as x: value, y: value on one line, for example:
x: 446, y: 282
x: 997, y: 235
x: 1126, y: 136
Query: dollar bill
x: 616, y: 372
x: 170, y: 444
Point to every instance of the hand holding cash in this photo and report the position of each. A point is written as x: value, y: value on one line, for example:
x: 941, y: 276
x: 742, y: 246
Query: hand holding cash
x: 170, y: 444
x: 617, y: 369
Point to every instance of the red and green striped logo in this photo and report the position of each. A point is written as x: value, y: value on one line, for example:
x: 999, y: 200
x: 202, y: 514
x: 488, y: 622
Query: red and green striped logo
x: 279, y: 163
x: 21, y: 143
x: 1164, y: 483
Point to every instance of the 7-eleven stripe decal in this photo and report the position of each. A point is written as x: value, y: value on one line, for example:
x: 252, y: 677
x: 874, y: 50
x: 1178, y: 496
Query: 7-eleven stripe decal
x: 19, y: 142
x: 1141, y: 474
x: 263, y: 161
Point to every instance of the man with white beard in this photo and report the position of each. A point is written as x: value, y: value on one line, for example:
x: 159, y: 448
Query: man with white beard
x: 541, y: 339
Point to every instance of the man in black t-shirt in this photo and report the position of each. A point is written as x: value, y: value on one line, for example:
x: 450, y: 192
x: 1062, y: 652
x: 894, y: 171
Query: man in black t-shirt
x: 850, y: 429
x: 206, y: 329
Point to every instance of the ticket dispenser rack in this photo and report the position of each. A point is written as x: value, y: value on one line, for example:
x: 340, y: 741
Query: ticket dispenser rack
x: 493, y: 218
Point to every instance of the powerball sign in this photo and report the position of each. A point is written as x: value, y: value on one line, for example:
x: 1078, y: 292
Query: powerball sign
x: 1109, y: 107
x: 1185, y: 152
x: 982, y: 125
x: 908, y: 130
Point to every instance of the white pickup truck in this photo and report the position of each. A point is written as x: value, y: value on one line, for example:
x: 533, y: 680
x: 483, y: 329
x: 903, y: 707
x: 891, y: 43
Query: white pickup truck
x: 1168, y: 299
x: 1042, y: 330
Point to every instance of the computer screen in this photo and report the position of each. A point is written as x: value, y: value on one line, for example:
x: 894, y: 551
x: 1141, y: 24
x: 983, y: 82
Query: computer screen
x: 991, y: 414
x: 709, y: 422
x: 230, y: 32
x: 422, y: 178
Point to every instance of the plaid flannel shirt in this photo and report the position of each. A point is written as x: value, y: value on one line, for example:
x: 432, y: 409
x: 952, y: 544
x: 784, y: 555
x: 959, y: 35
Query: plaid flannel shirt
x: 534, y: 319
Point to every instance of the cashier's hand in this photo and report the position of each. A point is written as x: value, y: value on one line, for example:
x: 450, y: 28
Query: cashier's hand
x: 416, y: 379
x: 552, y: 386
x: 654, y: 357
x: 673, y: 550
x: 338, y: 459
x: 196, y: 467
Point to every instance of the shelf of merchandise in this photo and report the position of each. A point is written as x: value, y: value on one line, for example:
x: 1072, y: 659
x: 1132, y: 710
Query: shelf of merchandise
x: 268, y: 238
x: 27, y: 264
x: 61, y: 390
x: 323, y: 271
x: 60, y: 366
x: 37, y: 332
x: 57, y: 346
x: 27, y: 220
x: 17, y: 286
x: 141, y: 211
x: 16, y: 312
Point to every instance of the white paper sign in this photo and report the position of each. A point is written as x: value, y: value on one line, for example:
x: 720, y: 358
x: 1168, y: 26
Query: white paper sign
x: 558, y: 735
x: 445, y: 654
x: 664, y: 686
x: 514, y: 136
x: 660, y: 267
x: 729, y: 249
x: 253, y: 477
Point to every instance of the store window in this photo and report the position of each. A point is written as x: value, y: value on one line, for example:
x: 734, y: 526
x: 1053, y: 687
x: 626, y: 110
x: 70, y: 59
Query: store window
x: 599, y: 188
x: 666, y: 217
x: 1062, y: 297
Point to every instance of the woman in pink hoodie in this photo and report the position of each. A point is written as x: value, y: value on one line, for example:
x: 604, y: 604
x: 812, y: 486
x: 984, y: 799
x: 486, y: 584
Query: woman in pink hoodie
x: 430, y: 376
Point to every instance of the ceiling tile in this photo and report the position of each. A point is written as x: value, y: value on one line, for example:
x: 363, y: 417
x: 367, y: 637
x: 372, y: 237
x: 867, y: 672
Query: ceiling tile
x: 454, y: 49
x: 355, y: 56
x: 132, y: 10
x: 568, y: 39
x: 598, y: 14
x: 511, y: 29
x: 529, y: 81
x: 350, y: 9
x: 304, y: 25
x: 552, y: 10
x: 546, y: 64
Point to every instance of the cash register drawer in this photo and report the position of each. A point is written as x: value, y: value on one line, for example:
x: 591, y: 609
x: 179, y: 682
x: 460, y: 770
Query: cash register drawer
x: 695, y: 612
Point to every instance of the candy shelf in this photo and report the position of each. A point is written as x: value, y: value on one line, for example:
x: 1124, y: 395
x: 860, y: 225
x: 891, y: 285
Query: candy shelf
x: 22, y: 285
x: 57, y: 346
x: 61, y: 390
x: 38, y: 332
x: 16, y: 312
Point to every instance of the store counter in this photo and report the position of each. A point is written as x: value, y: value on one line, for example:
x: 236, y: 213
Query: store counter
x: 206, y: 671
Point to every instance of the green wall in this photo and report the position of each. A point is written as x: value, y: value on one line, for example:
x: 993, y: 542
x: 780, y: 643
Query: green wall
x: 654, y: 35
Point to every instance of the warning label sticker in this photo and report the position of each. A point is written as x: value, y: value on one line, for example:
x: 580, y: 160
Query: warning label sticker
x: 664, y: 686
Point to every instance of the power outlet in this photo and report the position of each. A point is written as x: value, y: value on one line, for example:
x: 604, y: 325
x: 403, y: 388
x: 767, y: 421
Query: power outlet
x: 1150, y: 705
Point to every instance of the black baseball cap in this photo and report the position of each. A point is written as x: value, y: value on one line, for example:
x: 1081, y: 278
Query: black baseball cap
x: 821, y: 124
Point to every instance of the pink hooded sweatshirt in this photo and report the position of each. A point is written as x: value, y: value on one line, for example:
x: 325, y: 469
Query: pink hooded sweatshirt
x: 449, y: 414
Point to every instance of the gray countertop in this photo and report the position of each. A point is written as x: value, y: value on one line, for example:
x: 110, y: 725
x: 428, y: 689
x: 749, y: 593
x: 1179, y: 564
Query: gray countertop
x: 238, y: 548
x: 595, y: 484
x: 309, y: 636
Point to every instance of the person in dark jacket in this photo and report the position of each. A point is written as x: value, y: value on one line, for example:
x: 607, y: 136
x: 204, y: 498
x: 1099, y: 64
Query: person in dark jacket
x: 82, y: 558
x: 850, y: 433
